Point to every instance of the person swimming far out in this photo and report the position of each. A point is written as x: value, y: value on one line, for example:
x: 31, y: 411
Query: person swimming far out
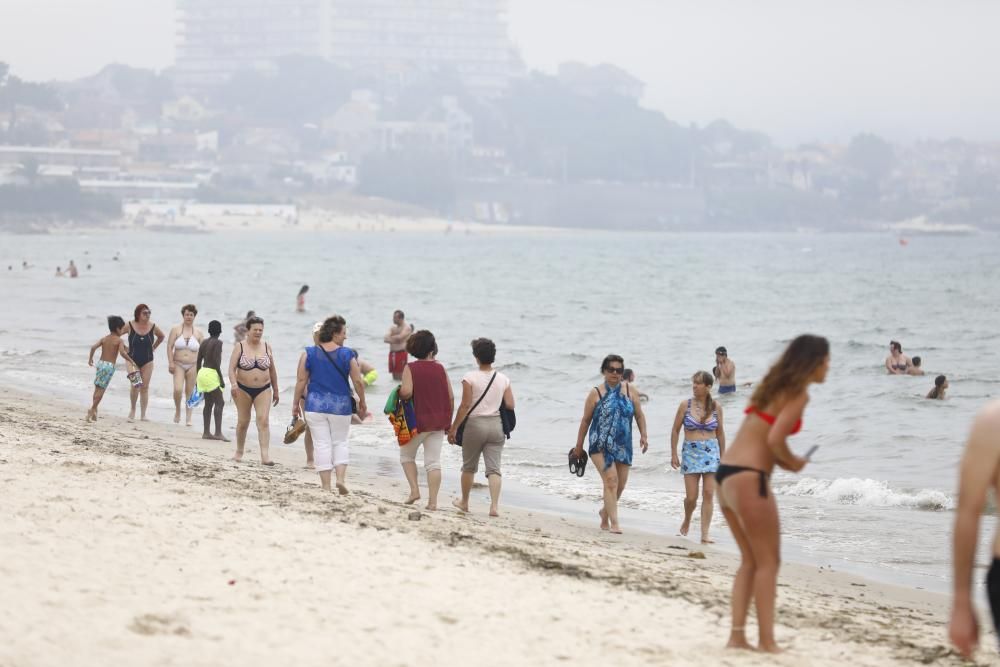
x: 915, y: 368
x: 300, y: 300
x: 940, y: 385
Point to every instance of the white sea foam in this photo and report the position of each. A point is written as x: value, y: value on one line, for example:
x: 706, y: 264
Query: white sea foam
x: 868, y: 493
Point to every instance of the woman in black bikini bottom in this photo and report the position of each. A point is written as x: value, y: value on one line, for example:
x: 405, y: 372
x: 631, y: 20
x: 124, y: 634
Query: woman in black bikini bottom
x: 751, y: 511
x: 254, y: 380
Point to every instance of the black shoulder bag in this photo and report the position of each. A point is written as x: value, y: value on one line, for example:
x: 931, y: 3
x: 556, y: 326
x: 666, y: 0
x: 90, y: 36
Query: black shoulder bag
x: 460, y: 432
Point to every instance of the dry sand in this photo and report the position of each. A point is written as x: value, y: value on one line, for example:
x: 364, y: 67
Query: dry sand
x: 141, y: 544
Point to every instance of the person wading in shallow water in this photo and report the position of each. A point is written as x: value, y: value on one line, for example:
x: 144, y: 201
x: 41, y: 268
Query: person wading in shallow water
x: 704, y: 444
x: 396, y: 337
x: 608, y: 413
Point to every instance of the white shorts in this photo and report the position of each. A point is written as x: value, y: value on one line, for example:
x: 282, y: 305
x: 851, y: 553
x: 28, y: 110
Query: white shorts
x: 432, y: 442
x: 329, y: 436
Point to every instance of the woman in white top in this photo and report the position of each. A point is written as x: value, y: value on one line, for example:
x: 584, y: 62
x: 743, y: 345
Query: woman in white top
x: 483, y: 434
x: 182, y: 346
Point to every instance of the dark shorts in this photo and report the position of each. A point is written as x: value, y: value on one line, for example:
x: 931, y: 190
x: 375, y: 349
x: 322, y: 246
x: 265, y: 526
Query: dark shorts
x: 727, y: 388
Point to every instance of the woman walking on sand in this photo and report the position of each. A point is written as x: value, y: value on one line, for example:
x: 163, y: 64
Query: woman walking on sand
x: 143, y: 339
x: 704, y: 444
x: 743, y: 478
x: 426, y: 382
x: 323, y: 387
x: 608, y: 413
x: 182, y: 346
x: 483, y: 392
x: 254, y: 384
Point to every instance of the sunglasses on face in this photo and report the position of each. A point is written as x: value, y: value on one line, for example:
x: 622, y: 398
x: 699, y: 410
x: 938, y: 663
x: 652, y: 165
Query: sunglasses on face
x: 615, y: 370
x: 146, y: 312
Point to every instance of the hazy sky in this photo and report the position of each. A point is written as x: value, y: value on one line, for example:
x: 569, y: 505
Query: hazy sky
x: 796, y: 69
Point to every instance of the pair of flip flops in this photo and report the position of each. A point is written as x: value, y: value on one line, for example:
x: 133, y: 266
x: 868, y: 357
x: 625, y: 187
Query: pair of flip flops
x: 577, y: 465
x: 294, y: 430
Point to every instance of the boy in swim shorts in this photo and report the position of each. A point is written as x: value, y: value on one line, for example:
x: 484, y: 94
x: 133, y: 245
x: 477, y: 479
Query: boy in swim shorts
x: 111, y: 346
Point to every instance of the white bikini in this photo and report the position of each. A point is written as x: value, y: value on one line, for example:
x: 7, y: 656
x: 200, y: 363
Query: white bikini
x: 190, y: 343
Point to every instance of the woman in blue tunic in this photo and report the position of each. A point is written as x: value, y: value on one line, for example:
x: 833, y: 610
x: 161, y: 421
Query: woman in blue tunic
x: 608, y: 414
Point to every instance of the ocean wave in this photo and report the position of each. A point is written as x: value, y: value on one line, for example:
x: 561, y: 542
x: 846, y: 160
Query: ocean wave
x: 868, y: 493
x: 535, y: 464
x: 513, y: 366
x: 22, y: 353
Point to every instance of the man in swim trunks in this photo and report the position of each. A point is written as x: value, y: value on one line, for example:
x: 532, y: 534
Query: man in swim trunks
x: 979, y: 473
x: 724, y: 371
x: 396, y: 337
x: 111, y: 346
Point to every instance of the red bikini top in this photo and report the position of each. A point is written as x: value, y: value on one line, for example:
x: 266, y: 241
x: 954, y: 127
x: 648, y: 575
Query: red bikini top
x: 770, y: 418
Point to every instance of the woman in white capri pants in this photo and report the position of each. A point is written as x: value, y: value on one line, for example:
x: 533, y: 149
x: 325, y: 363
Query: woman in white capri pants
x: 322, y: 376
x: 426, y: 382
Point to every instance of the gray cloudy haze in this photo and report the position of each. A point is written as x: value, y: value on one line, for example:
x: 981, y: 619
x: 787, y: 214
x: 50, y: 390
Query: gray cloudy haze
x: 798, y: 70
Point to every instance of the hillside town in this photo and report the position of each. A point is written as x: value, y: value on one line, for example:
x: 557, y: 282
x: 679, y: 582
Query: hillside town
x: 359, y: 105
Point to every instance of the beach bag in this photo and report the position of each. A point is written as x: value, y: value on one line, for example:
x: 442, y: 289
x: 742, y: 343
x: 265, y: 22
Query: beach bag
x: 508, y: 419
x: 195, y: 398
x: 135, y: 377
x: 402, y: 416
x: 460, y: 431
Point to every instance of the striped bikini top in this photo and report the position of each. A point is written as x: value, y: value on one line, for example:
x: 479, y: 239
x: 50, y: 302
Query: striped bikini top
x: 692, y: 424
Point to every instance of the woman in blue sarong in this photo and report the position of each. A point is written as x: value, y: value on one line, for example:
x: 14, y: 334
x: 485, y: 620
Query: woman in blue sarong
x: 608, y: 414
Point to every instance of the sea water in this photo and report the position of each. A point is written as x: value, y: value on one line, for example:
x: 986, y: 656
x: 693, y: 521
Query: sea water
x: 878, y: 497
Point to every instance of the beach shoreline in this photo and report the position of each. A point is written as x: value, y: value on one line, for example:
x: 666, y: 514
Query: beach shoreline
x: 139, y: 528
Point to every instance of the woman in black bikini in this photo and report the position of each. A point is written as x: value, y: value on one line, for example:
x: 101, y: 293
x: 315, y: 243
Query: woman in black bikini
x: 743, y: 480
x: 143, y: 339
x: 254, y: 382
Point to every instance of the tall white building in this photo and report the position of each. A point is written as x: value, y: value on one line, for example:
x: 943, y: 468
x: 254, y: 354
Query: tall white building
x: 395, y: 40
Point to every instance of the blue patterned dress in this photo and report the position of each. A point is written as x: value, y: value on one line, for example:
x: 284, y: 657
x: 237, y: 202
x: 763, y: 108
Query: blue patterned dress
x: 611, y: 427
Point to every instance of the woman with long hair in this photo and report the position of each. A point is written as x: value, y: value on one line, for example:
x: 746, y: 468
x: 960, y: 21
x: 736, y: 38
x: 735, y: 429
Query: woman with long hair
x: 254, y: 384
x: 182, y: 346
x: 608, y: 415
x: 743, y: 478
x: 704, y: 444
x: 143, y: 339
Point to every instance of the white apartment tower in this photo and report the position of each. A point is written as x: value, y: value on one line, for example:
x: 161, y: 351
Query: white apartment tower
x: 393, y: 39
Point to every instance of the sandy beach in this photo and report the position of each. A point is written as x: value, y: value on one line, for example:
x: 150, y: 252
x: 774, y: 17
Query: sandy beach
x: 140, y: 543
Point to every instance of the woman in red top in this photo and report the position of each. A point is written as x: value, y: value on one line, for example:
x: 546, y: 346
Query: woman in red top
x: 743, y: 479
x: 426, y: 382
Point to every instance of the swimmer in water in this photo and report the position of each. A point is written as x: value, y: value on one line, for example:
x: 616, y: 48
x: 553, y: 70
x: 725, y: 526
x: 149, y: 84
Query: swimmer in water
x: 896, y: 363
x: 915, y: 368
x: 940, y: 385
x: 724, y: 371
x: 300, y: 300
